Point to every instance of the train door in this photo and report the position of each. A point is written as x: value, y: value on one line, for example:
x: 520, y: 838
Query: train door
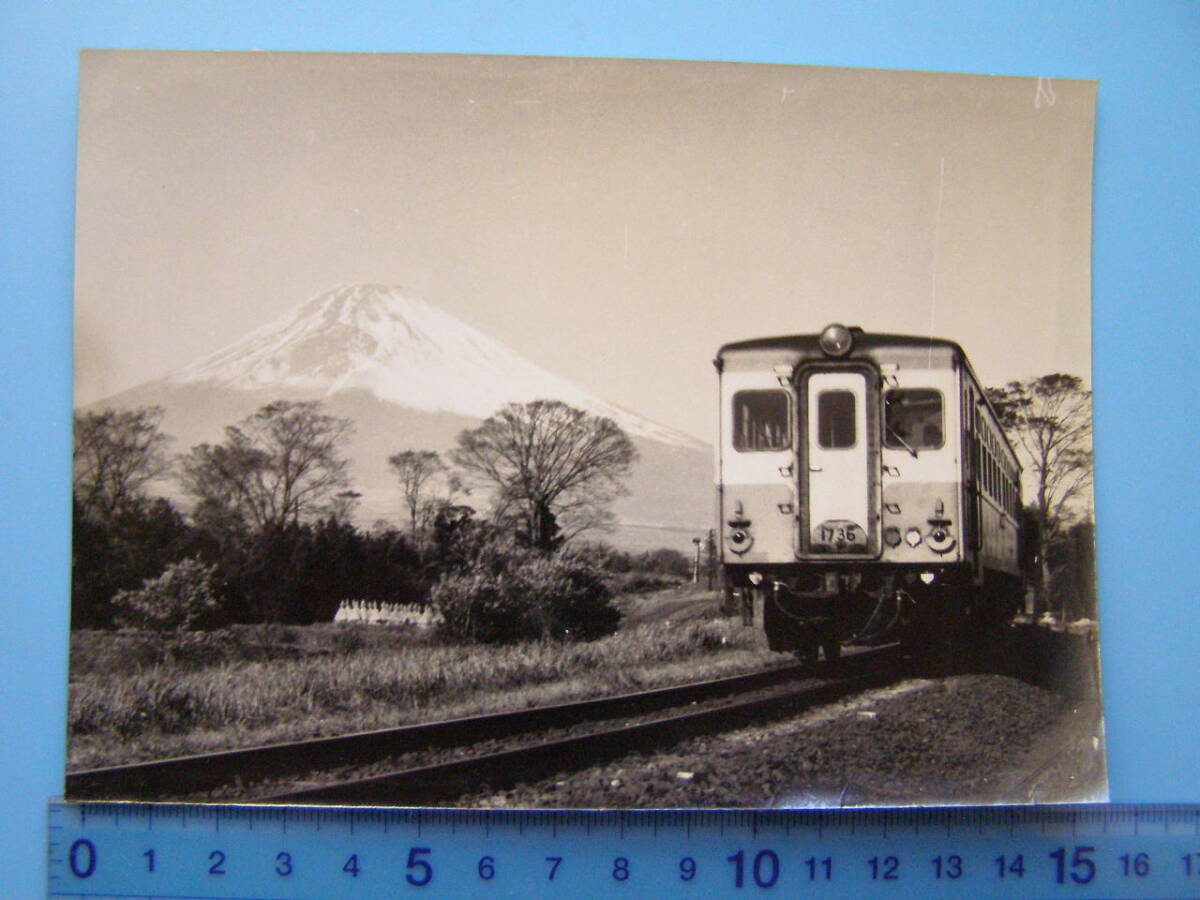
x: 838, y: 465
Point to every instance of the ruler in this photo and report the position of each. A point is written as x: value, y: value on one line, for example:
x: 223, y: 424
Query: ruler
x: 114, y: 850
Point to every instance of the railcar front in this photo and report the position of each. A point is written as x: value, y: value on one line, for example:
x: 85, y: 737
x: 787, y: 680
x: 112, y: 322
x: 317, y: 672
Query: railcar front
x: 841, y: 485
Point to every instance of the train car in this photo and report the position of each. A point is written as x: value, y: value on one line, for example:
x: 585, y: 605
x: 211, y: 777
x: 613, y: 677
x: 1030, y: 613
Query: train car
x: 867, y: 492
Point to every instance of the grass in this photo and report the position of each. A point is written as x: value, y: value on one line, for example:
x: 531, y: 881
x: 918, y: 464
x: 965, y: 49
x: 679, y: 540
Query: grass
x: 246, y: 686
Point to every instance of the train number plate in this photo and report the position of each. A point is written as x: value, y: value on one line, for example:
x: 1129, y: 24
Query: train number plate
x: 840, y: 536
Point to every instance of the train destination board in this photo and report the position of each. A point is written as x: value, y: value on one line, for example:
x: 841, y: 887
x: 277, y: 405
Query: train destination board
x: 504, y: 432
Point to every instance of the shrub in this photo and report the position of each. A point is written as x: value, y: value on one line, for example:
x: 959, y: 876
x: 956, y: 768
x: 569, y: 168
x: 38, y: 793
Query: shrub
x: 570, y: 597
x: 664, y: 561
x: 179, y: 599
x: 642, y: 582
x: 528, y: 596
x: 120, y: 553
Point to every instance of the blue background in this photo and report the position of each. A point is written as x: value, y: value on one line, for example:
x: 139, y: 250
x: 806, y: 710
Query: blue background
x: 1146, y: 260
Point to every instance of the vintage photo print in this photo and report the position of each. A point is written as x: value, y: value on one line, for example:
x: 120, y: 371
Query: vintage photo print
x: 523, y: 432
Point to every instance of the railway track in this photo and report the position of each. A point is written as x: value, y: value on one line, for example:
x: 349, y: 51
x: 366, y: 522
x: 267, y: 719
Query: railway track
x: 780, y: 690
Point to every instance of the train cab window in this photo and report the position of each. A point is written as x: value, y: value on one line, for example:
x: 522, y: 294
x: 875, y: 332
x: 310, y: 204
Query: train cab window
x: 836, y: 429
x: 760, y: 421
x: 913, y: 419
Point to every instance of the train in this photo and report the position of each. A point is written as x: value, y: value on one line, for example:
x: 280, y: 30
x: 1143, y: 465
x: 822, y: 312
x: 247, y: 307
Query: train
x: 867, y: 493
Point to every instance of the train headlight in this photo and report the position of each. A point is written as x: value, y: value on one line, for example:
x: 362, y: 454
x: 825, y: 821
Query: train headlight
x: 940, y: 540
x: 756, y: 578
x: 891, y: 536
x: 913, y: 537
x: 740, y: 541
x: 836, y: 340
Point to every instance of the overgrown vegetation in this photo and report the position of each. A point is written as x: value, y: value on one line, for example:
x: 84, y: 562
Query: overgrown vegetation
x: 296, y: 574
x: 179, y: 599
x: 269, y: 537
x: 510, y: 594
x: 240, y: 685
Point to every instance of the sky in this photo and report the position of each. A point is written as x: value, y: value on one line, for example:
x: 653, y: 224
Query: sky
x: 615, y: 221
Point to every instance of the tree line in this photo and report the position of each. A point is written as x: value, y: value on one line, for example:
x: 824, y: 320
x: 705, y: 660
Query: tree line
x: 269, y: 536
x: 1049, y: 421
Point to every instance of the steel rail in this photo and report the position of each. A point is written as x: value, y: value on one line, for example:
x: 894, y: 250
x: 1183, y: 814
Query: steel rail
x: 199, y: 773
x: 442, y: 782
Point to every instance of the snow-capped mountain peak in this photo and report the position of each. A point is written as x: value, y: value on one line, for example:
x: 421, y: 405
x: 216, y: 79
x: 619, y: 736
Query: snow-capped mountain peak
x: 402, y: 350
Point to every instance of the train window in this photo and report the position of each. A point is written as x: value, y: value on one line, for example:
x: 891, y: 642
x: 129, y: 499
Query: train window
x: 836, y: 427
x: 913, y: 419
x: 760, y: 420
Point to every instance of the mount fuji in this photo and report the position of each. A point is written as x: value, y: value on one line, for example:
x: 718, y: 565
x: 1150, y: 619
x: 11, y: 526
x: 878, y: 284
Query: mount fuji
x: 411, y: 376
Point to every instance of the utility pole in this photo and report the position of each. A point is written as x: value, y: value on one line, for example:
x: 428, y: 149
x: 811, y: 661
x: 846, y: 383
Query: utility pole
x: 696, y: 562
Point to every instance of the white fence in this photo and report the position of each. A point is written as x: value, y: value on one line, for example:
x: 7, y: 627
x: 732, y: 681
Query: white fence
x: 370, y: 612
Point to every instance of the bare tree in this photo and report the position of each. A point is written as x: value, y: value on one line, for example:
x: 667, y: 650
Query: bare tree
x: 277, y: 467
x: 415, y: 468
x: 1050, y: 420
x: 116, y: 453
x: 548, y: 462
x: 440, y: 502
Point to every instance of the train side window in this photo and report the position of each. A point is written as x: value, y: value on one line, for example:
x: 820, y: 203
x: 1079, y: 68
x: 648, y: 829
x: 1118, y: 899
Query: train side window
x: 836, y: 428
x: 761, y: 420
x: 913, y: 419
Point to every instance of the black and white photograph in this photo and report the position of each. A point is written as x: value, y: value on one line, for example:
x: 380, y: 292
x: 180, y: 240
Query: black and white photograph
x: 549, y: 432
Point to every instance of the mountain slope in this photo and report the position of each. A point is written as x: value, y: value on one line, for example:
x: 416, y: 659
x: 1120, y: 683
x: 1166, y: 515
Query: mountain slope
x: 400, y: 349
x: 410, y: 376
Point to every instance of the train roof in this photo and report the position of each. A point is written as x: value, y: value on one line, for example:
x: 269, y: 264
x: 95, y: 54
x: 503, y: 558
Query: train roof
x: 863, y: 340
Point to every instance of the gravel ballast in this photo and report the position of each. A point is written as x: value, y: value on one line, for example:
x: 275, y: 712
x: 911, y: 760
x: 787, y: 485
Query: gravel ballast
x: 965, y: 739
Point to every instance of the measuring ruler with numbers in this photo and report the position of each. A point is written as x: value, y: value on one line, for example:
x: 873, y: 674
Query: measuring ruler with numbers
x: 115, y: 850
